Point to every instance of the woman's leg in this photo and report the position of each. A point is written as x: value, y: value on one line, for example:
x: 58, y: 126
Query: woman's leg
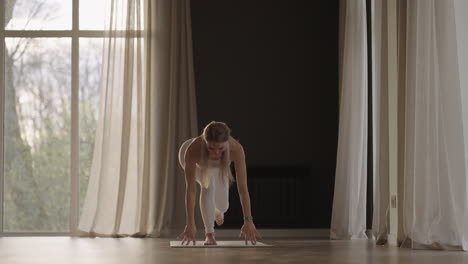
x: 207, y: 206
x: 214, y: 202
x: 221, y: 199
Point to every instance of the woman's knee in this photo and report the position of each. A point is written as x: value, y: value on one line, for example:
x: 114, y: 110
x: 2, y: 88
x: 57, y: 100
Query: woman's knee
x: 222, y: 205
x: 222, y: 199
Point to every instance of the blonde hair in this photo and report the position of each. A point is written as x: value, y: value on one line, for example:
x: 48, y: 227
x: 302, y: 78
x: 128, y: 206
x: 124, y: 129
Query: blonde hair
x: 216, y: 132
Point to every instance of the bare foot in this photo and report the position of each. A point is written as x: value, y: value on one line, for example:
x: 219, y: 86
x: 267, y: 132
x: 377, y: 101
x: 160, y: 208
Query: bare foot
x: 210, y: 239
x: 220, y: 219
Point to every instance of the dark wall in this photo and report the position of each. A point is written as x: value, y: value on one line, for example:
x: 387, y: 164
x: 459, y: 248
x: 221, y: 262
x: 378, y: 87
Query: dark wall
x: 269, y: 69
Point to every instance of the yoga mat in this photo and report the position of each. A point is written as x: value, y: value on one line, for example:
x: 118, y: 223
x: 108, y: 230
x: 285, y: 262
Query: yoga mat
x: 221, y: 244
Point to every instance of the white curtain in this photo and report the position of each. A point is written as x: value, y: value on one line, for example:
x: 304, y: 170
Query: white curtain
x: 461, y: 20
x: 147, y: 109
x: 380, y: 120
x: 432, y: 119
x: 435, y: 175
x: 349, y: 201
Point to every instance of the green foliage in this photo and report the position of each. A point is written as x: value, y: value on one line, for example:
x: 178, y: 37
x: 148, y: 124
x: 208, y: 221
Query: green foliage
x: 37, y: 126
x: 38, y: 137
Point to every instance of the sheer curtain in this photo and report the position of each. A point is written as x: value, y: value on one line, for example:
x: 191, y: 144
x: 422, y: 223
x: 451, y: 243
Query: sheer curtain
x: 432, y: 113
x: 380, y: 130
x: 349, y: 201
x: 435, y: 175
x: 432, y: 125
x: 147, y: 109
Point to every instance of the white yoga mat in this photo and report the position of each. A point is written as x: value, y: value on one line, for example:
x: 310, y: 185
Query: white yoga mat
x: 220, y: 244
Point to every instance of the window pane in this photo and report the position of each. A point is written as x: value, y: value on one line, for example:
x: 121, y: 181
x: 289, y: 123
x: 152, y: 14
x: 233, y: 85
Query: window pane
x: 93, y: 14
x: 38, y: 14
x: 90, y: 76
x: 37, y: 134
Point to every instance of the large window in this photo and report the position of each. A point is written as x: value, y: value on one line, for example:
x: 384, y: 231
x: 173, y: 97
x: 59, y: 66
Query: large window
x: 50, y: 53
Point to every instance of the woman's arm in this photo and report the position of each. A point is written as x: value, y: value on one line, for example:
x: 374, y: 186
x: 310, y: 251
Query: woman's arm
x: 248, y: 230
x: 189, y: 170
x: 241, y: 177
x: 190, y: 184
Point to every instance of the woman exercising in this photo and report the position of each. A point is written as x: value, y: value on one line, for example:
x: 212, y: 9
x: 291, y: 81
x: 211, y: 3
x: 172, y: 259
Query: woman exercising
x: 206, y: 159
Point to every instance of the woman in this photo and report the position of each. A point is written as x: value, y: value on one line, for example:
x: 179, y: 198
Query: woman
x: 206, y: 159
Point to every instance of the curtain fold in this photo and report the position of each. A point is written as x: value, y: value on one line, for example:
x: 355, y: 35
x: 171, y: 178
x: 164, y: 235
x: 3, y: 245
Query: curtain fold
x: 432, y: 125
x: 432, y: 120
x: 435, y: 179
x: 147, y: 109
x: 461, y: 20
x: 349, y: 201
x: 380, y: 119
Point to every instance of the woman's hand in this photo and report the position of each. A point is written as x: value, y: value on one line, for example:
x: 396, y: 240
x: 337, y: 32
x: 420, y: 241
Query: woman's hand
x: 188, y: 234
x: 249, y: 232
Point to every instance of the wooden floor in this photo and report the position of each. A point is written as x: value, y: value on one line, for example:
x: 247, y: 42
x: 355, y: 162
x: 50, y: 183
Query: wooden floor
x: 62, y: 250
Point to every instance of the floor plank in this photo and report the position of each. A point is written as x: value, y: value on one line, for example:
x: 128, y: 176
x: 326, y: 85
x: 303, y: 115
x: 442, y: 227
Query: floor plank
x: 51, y: 250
